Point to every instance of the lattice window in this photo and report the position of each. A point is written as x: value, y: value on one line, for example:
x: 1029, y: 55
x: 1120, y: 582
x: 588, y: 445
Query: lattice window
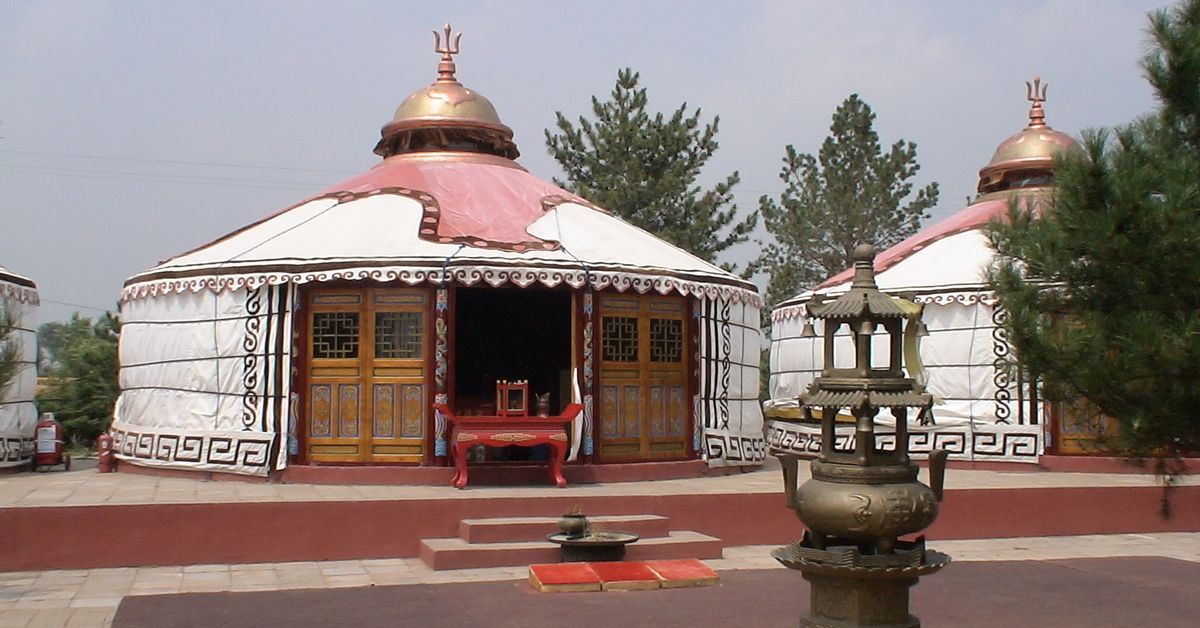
x: 335, y: 335
x: 666, y: 340
x: 397, y: 335
x: 619, y: 339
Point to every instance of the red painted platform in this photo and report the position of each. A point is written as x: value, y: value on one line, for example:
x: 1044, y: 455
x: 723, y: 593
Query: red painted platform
x: 280, y: 531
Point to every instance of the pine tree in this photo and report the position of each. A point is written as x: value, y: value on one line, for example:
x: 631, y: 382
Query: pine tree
x: 10, y: 347
x: 644, y: 168
x: 1102, y: 288
x: 83, y: 381
x: 851, y: 193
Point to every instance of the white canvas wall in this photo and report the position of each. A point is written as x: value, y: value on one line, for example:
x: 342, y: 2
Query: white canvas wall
x: 979, y: 412
x: 18, y: 414
x: 204, y: 380
x: 728, y: 410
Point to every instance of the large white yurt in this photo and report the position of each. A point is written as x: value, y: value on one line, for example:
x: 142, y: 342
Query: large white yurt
x: 984, y: 410
x: 323, y: 334
x: 19, y: 303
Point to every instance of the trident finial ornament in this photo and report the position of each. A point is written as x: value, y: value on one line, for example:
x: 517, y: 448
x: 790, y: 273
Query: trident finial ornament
x: 1035, y: 93
x: 446, y: 68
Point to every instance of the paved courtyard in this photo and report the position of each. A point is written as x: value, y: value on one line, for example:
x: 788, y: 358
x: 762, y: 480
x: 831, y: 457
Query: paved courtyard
x: 91, y: 597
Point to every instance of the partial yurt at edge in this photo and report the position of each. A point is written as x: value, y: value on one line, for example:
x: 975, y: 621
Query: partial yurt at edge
x: 325, y: 333
x: 19, y: 303
x: 985, y: 410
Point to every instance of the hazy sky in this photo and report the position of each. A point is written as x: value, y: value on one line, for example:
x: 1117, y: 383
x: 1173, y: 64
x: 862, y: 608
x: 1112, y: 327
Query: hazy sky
x: 134, y: 131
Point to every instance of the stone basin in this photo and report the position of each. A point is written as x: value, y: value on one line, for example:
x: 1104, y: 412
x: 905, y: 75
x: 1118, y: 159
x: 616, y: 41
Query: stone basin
x: 598, y: 546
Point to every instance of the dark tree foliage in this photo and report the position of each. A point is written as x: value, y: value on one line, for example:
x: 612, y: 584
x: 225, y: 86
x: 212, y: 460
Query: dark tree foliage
x: 1103, y: 289
x: 850, y: 193
x: 644, y: 167
x: 10, y: 347
x: 82, y: 384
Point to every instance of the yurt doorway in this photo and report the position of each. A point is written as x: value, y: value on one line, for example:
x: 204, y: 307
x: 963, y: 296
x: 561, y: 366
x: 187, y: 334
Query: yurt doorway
x: 511, y: 334
x: 367, y: 374
x: 643, y: 390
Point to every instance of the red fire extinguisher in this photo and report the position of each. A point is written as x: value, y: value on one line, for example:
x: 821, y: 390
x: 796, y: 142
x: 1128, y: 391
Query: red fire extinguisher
x: 49, y: 444
x: 106, y: 460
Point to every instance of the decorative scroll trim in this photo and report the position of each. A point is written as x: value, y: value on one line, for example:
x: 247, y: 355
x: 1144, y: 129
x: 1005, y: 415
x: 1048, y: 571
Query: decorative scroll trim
x: 1001, y: 365
x: 986, y: 297
x: 15, y: 450
x: 723, y: 449
x: 1012, y: 444
x: 250, y: 359
x: 463, y: 275
x: 20, y: 294
x: 246, y: 453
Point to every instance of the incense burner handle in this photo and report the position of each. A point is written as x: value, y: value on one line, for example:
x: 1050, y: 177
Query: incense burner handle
x: 937, y: 472
x: 791, y: 469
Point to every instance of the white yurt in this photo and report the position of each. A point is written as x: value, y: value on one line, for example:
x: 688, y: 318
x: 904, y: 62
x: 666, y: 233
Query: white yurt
x: 983, y: 409
x: 324, y: 333
x: 19, y: 303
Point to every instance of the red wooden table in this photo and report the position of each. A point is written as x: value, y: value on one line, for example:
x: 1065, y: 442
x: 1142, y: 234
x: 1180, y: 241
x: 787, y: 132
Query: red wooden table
x: 503, y: 431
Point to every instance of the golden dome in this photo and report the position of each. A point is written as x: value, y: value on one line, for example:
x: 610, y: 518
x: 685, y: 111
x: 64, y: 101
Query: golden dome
x: 446, y: 116
x: 1027, y: 158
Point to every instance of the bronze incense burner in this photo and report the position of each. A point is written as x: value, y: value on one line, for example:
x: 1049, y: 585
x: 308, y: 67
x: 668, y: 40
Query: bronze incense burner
x: 864, y: 495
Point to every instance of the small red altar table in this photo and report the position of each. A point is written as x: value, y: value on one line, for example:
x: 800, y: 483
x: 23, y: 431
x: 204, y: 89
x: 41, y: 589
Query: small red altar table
x: 503, y: 431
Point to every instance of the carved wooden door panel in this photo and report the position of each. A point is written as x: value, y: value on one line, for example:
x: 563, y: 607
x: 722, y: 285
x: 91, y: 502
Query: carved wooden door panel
x: 367, y: 371
x: 643, y: 392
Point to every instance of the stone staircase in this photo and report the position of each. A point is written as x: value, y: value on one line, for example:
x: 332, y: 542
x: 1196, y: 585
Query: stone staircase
x: 517, y: 541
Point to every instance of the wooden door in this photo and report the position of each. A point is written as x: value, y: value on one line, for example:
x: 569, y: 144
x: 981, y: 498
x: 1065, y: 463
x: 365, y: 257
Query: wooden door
x: 643, y: 410
x: 367, y: 374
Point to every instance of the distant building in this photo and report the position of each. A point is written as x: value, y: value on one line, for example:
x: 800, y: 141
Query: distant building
x: 18, y: 415
x: 984, y: 410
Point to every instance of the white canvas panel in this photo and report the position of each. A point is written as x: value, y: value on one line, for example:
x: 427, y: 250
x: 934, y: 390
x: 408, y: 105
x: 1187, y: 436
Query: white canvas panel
x: 18, y: 414
x: 958, y: 260
x: 199, y: 364
x: 212, y: 376
x: 601, y: 238
x: 178, y: 409
x: 728, y: 410
x: 185, y: 306
x: 252, y: 238
x: 955, y: 315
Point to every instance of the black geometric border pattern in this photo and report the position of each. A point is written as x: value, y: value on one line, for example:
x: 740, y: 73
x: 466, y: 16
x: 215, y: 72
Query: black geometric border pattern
x: 15, y: 450
x: 247, y: 453
x: 733, y: 449
x: 1017, y: 446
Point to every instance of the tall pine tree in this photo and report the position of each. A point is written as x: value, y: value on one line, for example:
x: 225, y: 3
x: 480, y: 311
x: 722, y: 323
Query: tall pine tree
x: 1103, y: 288
x: 850, y: 193
x: 644, y: 168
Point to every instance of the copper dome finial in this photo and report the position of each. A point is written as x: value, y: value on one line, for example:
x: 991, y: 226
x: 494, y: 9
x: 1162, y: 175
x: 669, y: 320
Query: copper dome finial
x: 1035, y: 93
x: 446, y: 67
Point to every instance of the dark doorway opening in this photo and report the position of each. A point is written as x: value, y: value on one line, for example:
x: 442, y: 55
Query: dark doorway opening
x: 511, y: 334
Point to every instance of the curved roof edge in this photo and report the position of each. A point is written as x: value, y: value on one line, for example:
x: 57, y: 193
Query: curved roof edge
x: 462, y: 274
x: 18, y: 288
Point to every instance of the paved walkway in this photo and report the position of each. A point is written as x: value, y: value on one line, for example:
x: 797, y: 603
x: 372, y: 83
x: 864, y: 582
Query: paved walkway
x: 90, y: 597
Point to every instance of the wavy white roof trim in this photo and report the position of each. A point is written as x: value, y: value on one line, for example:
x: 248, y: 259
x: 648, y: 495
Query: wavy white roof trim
x: 18, y: 288
x: 375, y: 238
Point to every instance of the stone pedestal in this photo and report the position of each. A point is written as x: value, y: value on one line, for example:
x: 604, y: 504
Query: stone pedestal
x: 852, y: 590
x: 877, y: 600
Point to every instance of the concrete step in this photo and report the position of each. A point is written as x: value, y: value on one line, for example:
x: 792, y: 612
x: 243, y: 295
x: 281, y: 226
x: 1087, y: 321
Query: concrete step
x: 510, y: 529
x: 456, y: 553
